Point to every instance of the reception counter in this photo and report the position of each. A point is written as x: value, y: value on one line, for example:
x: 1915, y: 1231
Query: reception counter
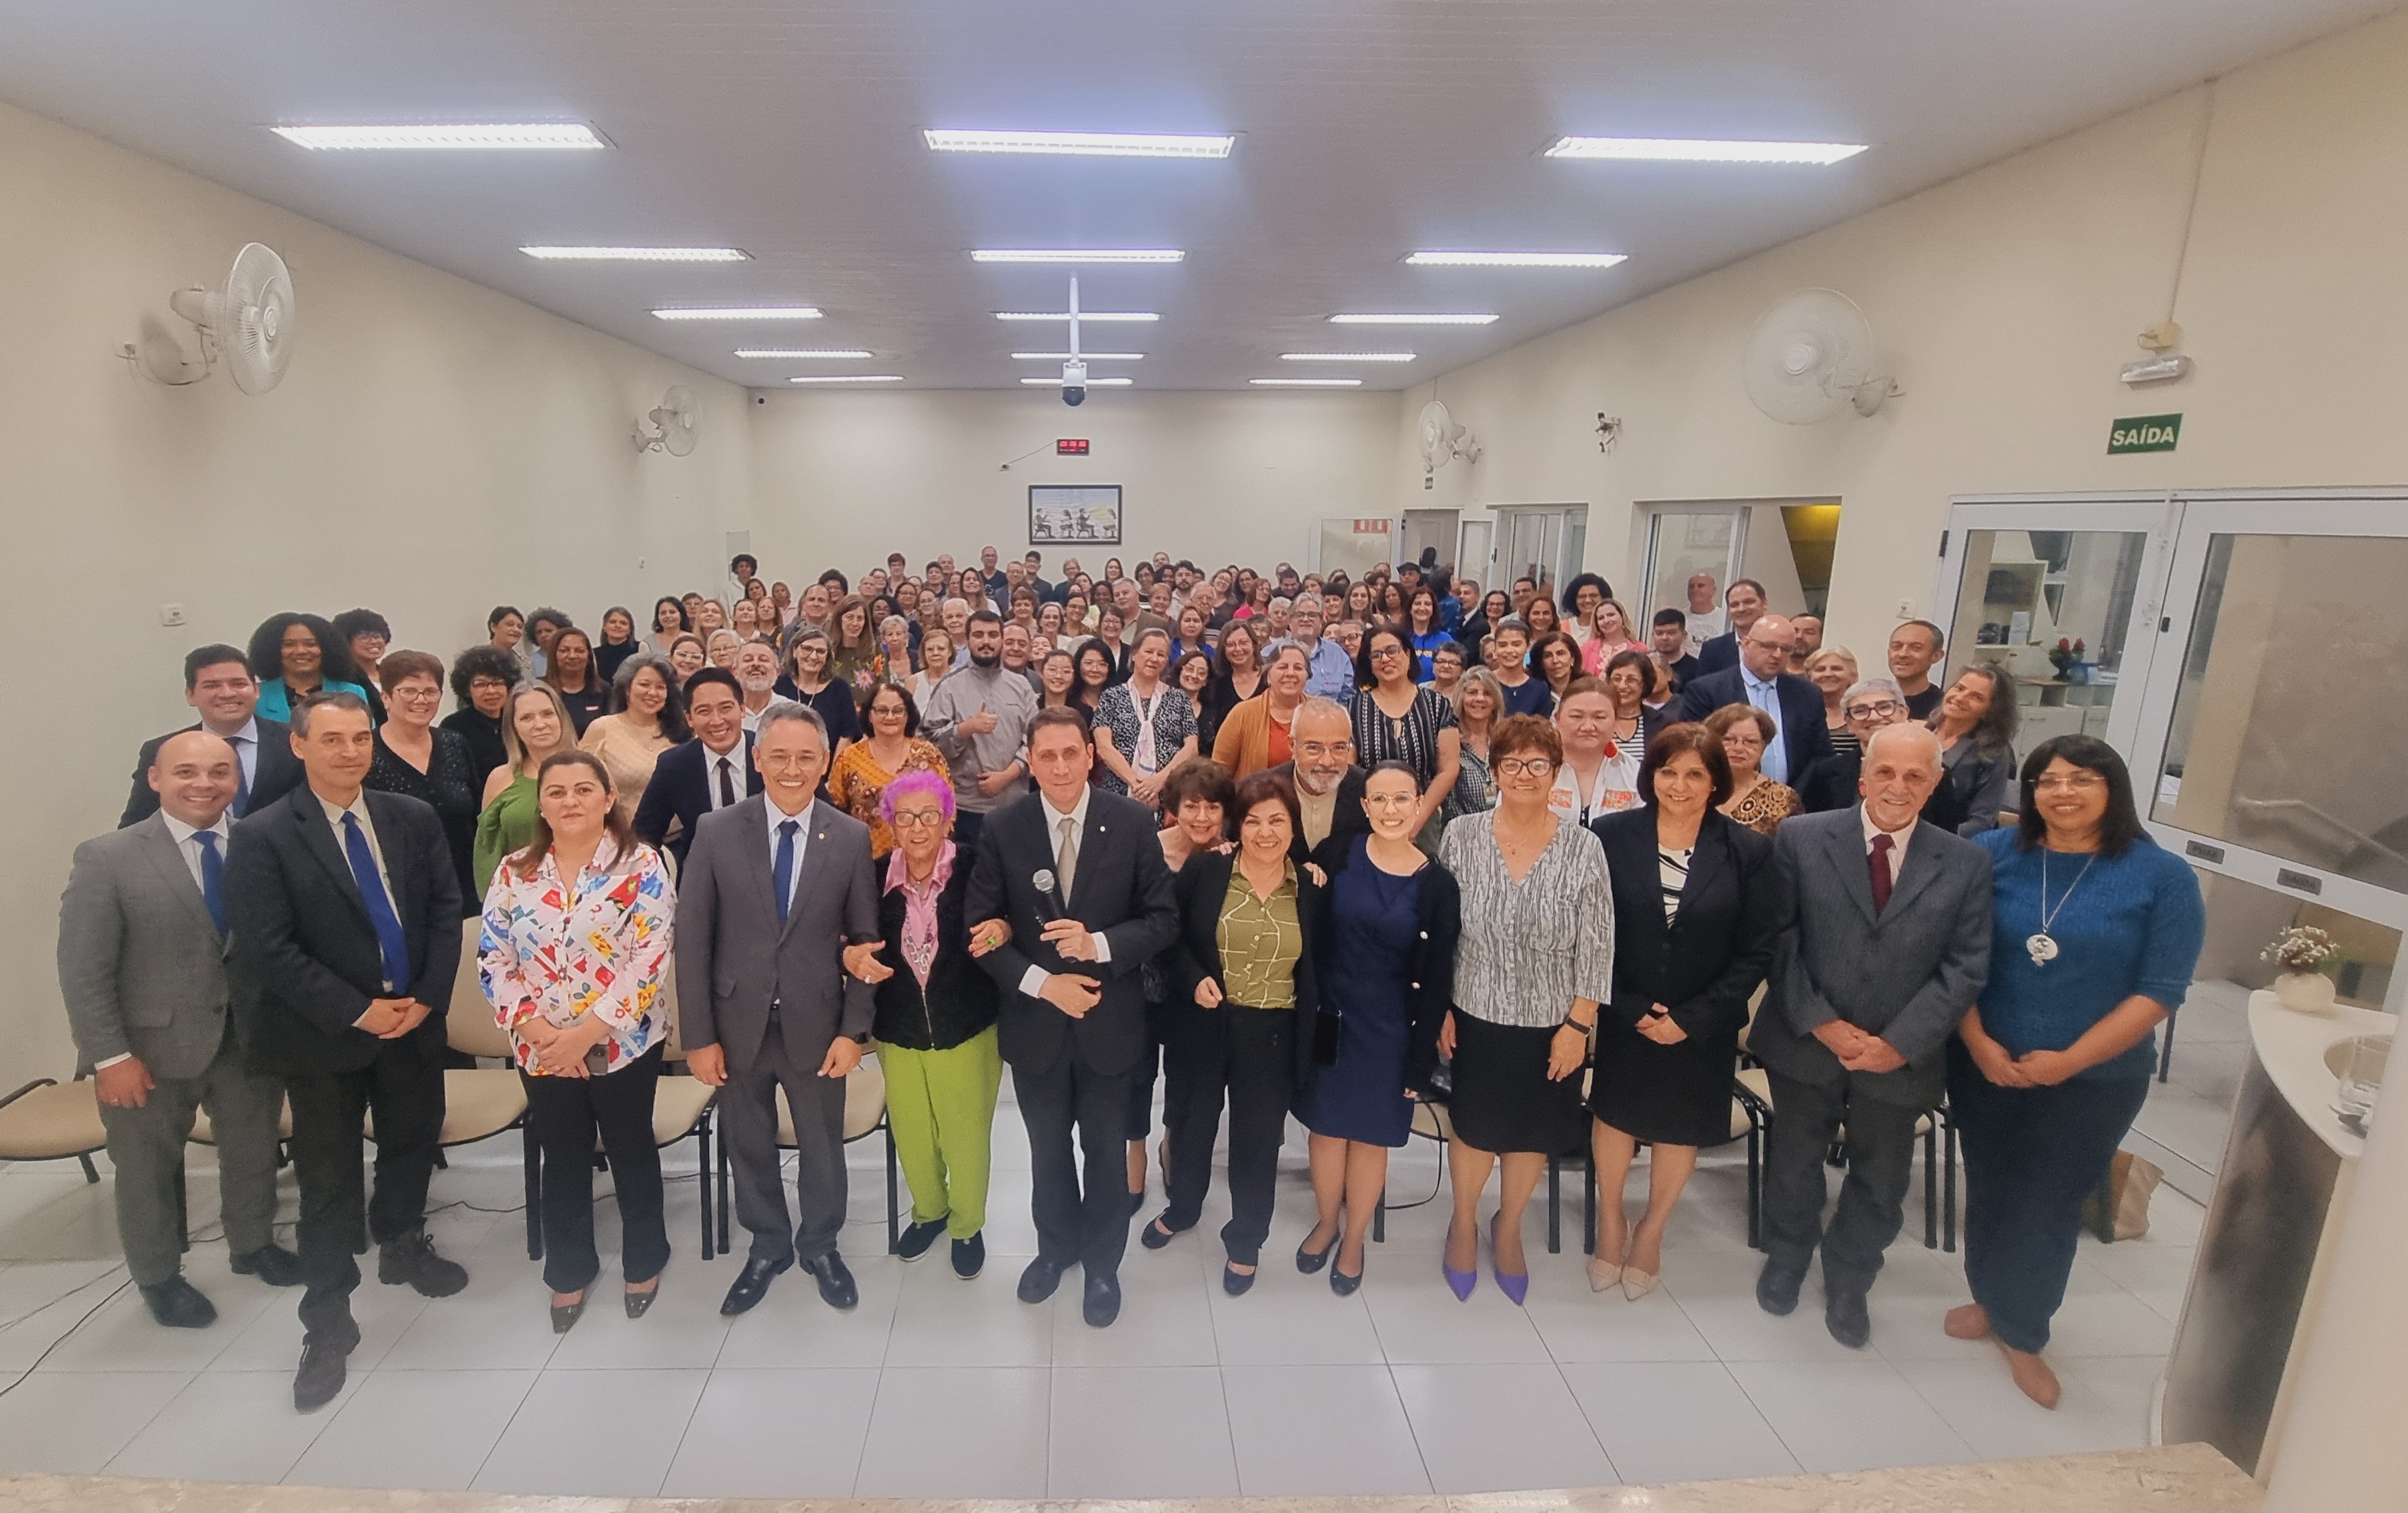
x: 2284, y: 1189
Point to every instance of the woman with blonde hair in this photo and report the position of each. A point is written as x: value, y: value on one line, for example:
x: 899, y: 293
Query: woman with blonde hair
x: 536, y: 725
x: 1833, y: 670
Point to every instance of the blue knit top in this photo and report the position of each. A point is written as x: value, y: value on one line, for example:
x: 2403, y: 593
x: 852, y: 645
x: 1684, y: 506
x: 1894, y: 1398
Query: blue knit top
x: 2134, y: 924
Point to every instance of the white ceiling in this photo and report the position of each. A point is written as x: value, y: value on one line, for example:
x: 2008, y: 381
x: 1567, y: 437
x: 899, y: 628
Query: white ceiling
x: 1370, y: 128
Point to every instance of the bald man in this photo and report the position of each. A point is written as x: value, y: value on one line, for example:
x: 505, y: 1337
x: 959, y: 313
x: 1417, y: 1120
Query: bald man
x: 142, y: 938
x: 1764, y: 680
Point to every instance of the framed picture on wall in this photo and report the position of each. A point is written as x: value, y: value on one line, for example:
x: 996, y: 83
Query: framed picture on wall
x: 1074, y: 515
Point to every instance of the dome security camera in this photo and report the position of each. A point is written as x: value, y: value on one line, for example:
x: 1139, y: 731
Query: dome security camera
x: 1074, y: 383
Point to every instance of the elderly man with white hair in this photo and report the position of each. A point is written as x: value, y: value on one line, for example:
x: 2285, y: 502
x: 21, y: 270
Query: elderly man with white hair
x: 1885, y: 945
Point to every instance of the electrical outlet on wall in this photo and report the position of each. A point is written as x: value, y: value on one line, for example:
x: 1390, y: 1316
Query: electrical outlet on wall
x: 171, y: 614
x: 1906, y: 609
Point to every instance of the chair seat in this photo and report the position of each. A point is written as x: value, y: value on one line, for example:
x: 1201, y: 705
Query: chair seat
x: 51, y: 1123
x: 864, y: 1104
x: 679, y: 1105
x: 1742, y: 1119
x: 477, y: 1105
x: 204, y: 1135
x: 1431, y: 1122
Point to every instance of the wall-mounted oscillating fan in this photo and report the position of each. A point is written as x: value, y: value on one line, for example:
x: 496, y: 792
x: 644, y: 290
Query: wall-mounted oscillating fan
x: 1442, y: 440
x: 672, y: 422
x: 1812, y: 357
x: 247, y: 326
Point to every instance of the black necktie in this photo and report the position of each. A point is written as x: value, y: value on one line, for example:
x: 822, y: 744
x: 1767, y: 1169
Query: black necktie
x: 241, y: 780
x: 726, y: 783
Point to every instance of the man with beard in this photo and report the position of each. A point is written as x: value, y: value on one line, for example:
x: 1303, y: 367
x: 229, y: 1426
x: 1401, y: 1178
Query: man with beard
x: 757, y: 674
x: 978, y: 718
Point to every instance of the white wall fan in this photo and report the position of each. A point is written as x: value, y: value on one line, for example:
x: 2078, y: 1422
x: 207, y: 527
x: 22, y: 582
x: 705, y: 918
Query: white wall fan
x: 245, y: 325
x: 672, y: 421
x: 1812, y: 357
x: 1442, y: 440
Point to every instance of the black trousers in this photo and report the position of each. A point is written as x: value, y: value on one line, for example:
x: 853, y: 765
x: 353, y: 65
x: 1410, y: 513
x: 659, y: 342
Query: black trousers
x: 406, y: 1090
x: 1165, y: 1057
x: 1880, y: 1147
x: 2031, y: 1156
x: 1069, y: 1102
x: 565, y: 1114
x: 1248, y: 1055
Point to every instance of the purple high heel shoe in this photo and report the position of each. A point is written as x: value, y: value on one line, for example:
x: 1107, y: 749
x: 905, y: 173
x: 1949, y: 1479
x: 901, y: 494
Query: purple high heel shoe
x: 1514, y: 1284
x: 1461, y: 1283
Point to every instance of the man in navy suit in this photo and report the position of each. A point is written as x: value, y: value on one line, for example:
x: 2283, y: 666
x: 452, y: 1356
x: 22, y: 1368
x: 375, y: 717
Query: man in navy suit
x: 1745, y: 601
x: 714, y: 770
x: 1795, y: 704
x: 222, y: 689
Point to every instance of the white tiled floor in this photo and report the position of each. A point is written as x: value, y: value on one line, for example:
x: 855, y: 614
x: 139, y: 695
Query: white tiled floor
x: 934, y: 1386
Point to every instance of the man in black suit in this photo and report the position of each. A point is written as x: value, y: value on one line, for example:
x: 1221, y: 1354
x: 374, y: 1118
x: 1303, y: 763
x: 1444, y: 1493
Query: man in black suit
x: 714, y: 770
x: 1746, y: 602
x: 1795, y: 704
x: 1081, y: 883
x: 1836, y: 782
x: 344, y: 912
x: 220, y: 687
x: 1328, y: 785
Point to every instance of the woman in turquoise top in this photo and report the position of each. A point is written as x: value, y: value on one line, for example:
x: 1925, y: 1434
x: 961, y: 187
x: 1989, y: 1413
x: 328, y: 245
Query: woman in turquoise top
x: 295, y: 655
x: 2095, y: 931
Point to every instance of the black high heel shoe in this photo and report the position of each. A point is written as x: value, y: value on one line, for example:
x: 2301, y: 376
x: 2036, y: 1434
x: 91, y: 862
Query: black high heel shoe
x: 638, y: 1303
x: 564, y: 1315
x: 1309, y: 1261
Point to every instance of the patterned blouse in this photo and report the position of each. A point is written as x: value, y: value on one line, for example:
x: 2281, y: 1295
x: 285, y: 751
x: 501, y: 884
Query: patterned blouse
x: 1173, y: 718
x: 856, y: 783
x: 1261, y: 941
x: 1530, y: 947
x: 1413, y: 740
x: 564, y: 951
x: 1765, y: 806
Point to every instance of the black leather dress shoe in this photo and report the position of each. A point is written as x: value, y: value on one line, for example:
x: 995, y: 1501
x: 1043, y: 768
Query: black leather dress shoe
x: 271, y: 1263
x: 918, y: 1238
x: 1776, y: 1289
x: 412, y: 1259
x: 750, y: 1283
x: 1102, y: 1303
x: 837, y: 1288
x: 1235, y: 1282
x: 320, y: 1377
x: 1038, y: 1281
x: 1158, y: 1233
x: 969, y: 1256
x: 178, y: 1305
x: 1845, y: 1315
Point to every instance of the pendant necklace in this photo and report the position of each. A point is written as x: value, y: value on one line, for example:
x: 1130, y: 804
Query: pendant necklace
x: 2042, y: 947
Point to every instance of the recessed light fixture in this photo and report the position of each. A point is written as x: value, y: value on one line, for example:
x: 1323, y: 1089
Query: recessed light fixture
x: 739, y: 312
x: 639, y: 255
x: 1093, y: 383
x: 1084, y: 315
x: 1076, y: 255
x: 805, y: 353
x: 1089, y: 356
x: 529, y: 136
x: 1307, y: 383
x: 1408, y: 320
x: 1676, y: 149
x: 1346, y: 356
x: 1516, y: 260
x: 1093, y: 144
x: 849, y: 378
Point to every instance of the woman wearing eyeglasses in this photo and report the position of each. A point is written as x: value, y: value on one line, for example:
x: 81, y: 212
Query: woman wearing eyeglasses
x: 1399, y: 720
x: 415, y: 757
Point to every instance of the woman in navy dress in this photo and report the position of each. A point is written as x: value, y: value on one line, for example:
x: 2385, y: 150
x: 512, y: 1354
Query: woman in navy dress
x: 1390, y: 925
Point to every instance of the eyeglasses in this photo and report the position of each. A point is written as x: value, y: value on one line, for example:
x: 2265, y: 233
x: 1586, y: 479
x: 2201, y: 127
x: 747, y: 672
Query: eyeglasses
x: 1378, y: 652
x: 918, y: 819
x: 1521, y: 765
x: 2070, y: 783
x: 490, y: 686
x: 1316, y: 749
x: 1873, y: 711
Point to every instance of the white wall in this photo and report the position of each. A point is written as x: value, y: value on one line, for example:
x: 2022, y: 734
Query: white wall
x: 2007, y: 301
x: 433, y: 448
x: 842, y: 478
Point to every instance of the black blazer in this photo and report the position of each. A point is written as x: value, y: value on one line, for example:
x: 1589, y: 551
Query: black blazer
x: 961, y: 998
x: 1199, y: 888
x: 279, y: 772
x: 1430, y: 965
x: 1804, y: 734
x: 1718, y: 653
x: 1705, y: 964
x: 1832, y: 785
x: 1123, y: 891
x: 680, y: 791
x: 1684, y: 670
x: 1347, y: 820
x: 302, y: 960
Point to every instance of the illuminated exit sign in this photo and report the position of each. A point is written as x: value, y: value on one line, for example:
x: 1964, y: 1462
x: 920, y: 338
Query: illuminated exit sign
x: 1071, y: 447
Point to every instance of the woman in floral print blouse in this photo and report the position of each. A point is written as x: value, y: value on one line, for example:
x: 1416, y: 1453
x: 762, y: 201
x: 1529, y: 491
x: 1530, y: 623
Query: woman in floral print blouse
x: 573, y: 956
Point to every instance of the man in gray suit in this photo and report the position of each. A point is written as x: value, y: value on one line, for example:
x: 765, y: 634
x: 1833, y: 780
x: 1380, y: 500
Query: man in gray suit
x: 1887, y: 943
x: 142, y: 941
x: 777, y: 917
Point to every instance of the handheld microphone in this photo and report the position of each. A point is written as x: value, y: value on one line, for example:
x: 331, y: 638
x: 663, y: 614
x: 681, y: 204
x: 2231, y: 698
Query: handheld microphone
x: 1048, y: 905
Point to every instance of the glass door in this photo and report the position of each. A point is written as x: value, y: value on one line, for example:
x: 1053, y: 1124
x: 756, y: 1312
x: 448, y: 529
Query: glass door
x: 1545, y: 545
x: 1353, y: 545
x: 1692, y: 556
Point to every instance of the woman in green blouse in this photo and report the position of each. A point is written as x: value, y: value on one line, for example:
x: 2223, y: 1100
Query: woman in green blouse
x: 1244, y: 958
x: 534, y: 723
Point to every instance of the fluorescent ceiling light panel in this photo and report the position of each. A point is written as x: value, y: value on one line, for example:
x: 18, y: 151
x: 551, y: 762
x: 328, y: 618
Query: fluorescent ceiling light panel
x: 639, y: 255
x: 1091, y: 144
x: 1084, y: 315
x: 849, y: 378
x: 1074, y: 254
x: 1089, y: 356
x: 1408, y: 320
x: 737, y: 313
x: 1516, y: 260
x: 1307, y: 383
x: 1674, y: 150
x: 531, y: 136
x: 1093, y: 383
x: 805, y: 353
x: 1346, y: 356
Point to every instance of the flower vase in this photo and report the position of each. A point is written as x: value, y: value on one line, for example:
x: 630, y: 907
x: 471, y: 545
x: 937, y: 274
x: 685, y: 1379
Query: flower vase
x: 2305, y: 992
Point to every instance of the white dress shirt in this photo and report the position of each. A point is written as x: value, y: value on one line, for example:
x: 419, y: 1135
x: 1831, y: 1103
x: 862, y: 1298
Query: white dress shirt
x: 802, y: 842
x: 245, y: 743
x: 1032, y: 982
x: 1898, y: 839
x: 734, y: 759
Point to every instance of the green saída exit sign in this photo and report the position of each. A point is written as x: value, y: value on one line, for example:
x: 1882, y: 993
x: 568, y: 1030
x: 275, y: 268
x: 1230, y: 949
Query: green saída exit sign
x: 2143, y: 433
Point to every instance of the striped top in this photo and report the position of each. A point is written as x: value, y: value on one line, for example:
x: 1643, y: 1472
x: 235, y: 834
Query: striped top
x: 1673, y: 869
x: 1530, y: 947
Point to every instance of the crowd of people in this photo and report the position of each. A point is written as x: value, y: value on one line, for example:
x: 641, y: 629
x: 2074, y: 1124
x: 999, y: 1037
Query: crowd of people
x: 1275, y: 843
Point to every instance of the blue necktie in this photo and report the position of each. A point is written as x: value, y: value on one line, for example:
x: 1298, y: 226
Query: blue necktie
x: 1775, y: 762
x: 212, y: 871
x: 392, y: 945
x: 781, y: 873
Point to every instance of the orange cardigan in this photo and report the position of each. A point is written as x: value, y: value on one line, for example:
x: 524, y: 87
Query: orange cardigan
x: 1245, y: 744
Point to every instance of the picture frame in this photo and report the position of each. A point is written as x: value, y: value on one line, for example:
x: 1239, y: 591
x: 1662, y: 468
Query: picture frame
x: 1074, y: 515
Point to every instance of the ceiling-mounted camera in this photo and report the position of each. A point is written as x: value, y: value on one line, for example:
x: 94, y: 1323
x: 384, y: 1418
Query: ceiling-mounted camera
x: 1074, y: 382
